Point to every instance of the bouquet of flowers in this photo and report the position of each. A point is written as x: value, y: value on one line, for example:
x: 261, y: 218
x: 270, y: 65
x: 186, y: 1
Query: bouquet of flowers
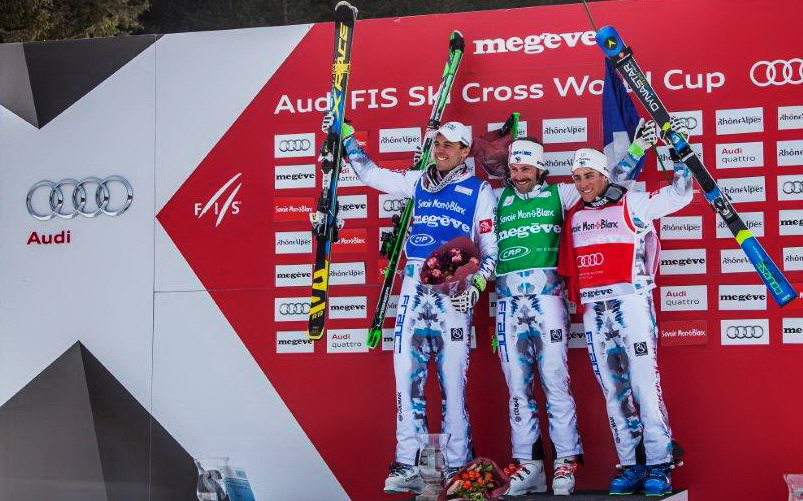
x: 480, y: 480
x: 450, y: 267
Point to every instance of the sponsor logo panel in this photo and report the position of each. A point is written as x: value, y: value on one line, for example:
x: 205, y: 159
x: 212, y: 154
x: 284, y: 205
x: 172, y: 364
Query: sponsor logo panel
x: 577, y: 335
x: 293, y: 242
x: 291, y: 309
x: 790, y: 222
x: 777, y: 72
x: 682, y: 228
x: 346, y: 341
x: 684, y: 332
x: 353, y: 206
x: 790, y: 153
x: 559, y: 163
x: 792, y: 330
x: 683, y: 261
x: 295, y: 176
x: 565, y: 130
x: 348, y: 177
x: 742, y: 297
x: 793, y: 258
x: 346, y: 273
x: 352, y: 240
x: 734, y: 261
x: 534, y: 43
x: 393, y: 305
x: 753, y: 220
x: 684, y: 298
x: 293, y: 275
x: 693, y: 120
x: 294, y: 342
x: 745, y: 331
x: 387, y: 339
x: 733, y: 155
x: 664, y: 161
x: 397, y: 140
x: 390, y: 205
x: 745, y: 189
x: 740, y: 120
x: 294, y: 145
x: 290, y: 209
x: 790, y: 117
x: 790, y: 187
x: 492, y: 304
x: 347, y: 307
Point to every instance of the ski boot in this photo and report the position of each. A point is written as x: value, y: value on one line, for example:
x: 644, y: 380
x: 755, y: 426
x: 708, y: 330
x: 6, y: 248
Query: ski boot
x: 563, y: 480
x: 526, y: 476
x: 630, y: 480
x: 659, y: 479
x: 403, y: 478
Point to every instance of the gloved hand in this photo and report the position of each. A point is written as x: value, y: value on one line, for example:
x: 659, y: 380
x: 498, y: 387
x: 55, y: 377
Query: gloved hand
x: 644, y: 137
x: 678, y: 125
x: 469, y: 297
x: 328, y: 119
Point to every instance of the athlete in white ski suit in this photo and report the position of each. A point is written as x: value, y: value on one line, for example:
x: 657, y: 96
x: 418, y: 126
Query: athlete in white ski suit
x: 611, y: 254
x: 449, y: 202
x: 532, y: 322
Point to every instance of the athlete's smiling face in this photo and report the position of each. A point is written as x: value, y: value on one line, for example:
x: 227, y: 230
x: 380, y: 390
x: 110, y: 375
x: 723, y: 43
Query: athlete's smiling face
x: 590, y: 183
x: 448, y: 154
x: 523, y: 177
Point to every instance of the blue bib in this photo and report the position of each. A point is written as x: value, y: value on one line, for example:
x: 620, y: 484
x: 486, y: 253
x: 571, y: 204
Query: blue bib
x: 442, y: 216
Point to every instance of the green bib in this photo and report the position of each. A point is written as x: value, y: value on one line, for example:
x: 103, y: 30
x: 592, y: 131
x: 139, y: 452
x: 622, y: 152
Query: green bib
x: 529, y: 230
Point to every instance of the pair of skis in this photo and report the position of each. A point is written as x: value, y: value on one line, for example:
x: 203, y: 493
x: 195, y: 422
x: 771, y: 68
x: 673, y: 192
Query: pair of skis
x: 621, y: 56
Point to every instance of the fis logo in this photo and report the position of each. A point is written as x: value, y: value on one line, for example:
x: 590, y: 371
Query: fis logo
x: 230, y: 206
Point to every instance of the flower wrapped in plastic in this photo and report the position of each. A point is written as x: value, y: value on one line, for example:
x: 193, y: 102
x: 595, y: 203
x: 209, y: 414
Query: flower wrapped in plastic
x: 449, y: 268
x: 479, y: 480
x: 490, y: 150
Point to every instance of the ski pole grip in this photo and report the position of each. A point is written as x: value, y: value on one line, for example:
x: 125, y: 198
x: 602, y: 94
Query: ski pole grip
x: 609, y: 41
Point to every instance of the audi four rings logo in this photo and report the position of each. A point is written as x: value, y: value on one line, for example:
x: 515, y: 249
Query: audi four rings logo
x: 397, y: 204
x: 790, y: 187
x: 777, y: 72
x: 689, y: 122
x: 294, y: 145
x: 587, y: 260
x: 69, y: 198
x: 744, y: 331
x: 294, y: 308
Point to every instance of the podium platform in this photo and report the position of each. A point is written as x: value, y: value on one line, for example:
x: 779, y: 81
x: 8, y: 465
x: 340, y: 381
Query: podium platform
x: 682, y: 495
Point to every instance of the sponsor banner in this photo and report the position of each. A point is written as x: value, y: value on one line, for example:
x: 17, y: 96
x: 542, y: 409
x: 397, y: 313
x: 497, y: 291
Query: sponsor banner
x: 684, y: 332
x: 753, y: 220
x: 734, y: 261
x: 346, y: 341
x: 353, y: 206
x: 733, y: 155
x: 790, y: 222
x: 745, y: 331
x: 790, y: 117
x: 793, y: 258
x: 577, y: 335
x: 498, y: 125
x: 293, y: 275
x: 790, y: 187
x: 397, y: 140
x: 535, y: 44
x: 492, y: 304
x: 559, y: 163
x: 294, y: 342
x: 693, y: 120
x: 290, y: 209
x: 792, y: 330
x: 293, y: 242
x: 742, y: 297
x: 664, y: 161
x: 348, y: 177
x: 684, y: 298
x: 391, y: 205
x: 347, y: 307
x: 682, y: 228
x: 294, y: 176
x: 744, y: 189
x: 565, y: 130
x: 682, y: 261
x: 294, y: 145
x: 387, y: 339
x: 740, y: 121
x: 291, y: 309
x: 346, y: 273
x: 393, y: 305
x: 351, y: 241
x: 790, y: 152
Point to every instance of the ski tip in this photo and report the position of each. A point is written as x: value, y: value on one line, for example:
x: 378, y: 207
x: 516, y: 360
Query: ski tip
x: 609, y: 40
x: 374, y: 335
x: 316, y: 333
x: 345, y: 12
x: 457, y: 42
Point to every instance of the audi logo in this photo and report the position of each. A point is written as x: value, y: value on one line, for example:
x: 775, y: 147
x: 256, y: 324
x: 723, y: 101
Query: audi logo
x: 397, y: 204
x: 777, y: 72
x: 76, y: 201
x: 744, y: 331
x: 790, y: 187
x: 294, y: 308
x: 294, y: 145
x: 689, y: 122
x: 587, y: 260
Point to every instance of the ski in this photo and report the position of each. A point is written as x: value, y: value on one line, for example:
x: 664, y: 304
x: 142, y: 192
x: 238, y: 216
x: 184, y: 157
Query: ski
x: 622, y: 57
x: 393, y: 241
x: 324, y: 222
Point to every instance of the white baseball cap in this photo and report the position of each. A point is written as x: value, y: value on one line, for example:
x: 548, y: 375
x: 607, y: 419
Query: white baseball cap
x: 523, y: 151
x: 456, y: 133
x: 592, y: 159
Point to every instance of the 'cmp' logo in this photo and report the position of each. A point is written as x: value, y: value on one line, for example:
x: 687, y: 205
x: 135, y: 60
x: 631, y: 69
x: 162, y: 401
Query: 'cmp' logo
x: 231, y: 205
x: 777, y: 72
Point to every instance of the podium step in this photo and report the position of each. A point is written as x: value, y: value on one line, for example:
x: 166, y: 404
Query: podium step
x: 590, y: 496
